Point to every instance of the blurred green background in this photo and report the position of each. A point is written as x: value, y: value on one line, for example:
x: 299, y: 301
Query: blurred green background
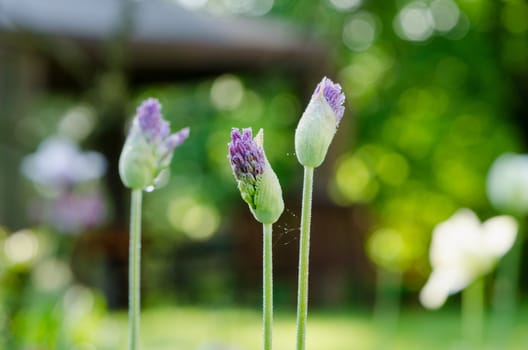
x: 436, y: 90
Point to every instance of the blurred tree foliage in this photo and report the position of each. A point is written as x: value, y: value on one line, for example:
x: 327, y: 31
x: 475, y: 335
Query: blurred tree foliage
x: 434, y: 87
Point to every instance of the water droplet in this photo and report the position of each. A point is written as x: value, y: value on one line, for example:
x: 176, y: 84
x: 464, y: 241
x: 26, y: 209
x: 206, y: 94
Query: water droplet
x: 150, y: 188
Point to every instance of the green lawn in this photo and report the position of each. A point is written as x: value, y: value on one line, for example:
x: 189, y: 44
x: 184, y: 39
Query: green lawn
x: 239, y: 329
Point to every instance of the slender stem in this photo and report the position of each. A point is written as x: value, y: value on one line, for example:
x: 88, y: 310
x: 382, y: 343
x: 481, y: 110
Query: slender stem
x: 473, y: 312
x: 387, y: 305
x: 267, y: 280
x: 304, y: 256
x: 134, y: 272
x: 505, y: 289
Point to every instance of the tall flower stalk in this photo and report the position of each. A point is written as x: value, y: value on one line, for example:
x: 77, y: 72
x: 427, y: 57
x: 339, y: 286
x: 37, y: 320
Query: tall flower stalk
x: 146, y: 155
x: 260, y: 189
x: 314, y: 133
x: 134, y: 269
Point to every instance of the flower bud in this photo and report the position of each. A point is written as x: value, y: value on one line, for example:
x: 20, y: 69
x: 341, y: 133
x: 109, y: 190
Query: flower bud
x: 318, y: 124
x: 137, y: 165
x: 256, y: 180
x: 148, y: 148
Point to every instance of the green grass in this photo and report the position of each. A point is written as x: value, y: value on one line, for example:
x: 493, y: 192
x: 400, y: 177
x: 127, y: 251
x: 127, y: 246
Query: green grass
x: 196, y: 328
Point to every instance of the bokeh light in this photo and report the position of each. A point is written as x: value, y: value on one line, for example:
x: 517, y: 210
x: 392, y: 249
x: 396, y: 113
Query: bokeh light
x: 364, y: 74
x: 414, y: 22
x: 345, y: 5
x: 199, y: 221
x: 77, y: 123
x: 227, y: 92
x: 387, y: 248
x: 354, y: 181
x: 51, y: 274
x: 392, y: 168
x: 445, y: 14
x: 21, y: 247
x: 360, y: 30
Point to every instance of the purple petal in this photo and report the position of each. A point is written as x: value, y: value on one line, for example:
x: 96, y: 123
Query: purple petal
x: 177, y: 139
x: 150, y: 120
x: 333, y: 95
x: 149, y: 113
x: 246, y: 157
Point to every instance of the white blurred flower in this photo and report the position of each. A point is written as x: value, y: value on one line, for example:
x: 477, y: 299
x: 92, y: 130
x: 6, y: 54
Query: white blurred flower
x: 63, y: 174
x: 508, y: 184
x: 59, y: 162
x: 463, y: 249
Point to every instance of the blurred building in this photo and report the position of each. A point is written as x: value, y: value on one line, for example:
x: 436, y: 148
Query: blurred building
x: 102, y: 49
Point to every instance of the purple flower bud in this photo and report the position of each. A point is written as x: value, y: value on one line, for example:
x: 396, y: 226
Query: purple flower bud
x: 149, y: 146
x: 150, y: 120
x: 318, y: 123
x: 255, y: 178
x: 333, y: 95
x: 245, y: 155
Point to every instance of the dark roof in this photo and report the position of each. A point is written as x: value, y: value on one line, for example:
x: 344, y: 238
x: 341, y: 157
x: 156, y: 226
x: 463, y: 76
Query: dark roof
x: 162, y: 35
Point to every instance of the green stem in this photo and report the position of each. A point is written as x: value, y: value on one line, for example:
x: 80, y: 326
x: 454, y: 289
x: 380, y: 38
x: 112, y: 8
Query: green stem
x: 267, y: 280
x: 473, y: 312
x: 387, y: 305
x: 304, y: 255
x: 505, y: 289
x: 134, y: 270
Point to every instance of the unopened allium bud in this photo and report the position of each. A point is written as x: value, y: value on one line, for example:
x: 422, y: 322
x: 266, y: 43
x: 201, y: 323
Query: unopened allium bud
x: 256, y: 180
x: 319, y: 122
x: 149, y: 146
